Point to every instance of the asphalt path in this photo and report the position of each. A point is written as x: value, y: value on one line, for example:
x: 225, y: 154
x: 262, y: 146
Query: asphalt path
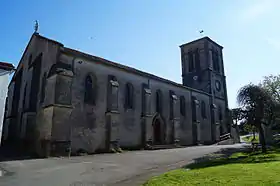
x: 128, y: 168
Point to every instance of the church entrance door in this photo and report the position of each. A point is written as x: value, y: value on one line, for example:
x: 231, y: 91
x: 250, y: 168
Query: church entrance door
x: 194, y: 133
x: 157, y: 132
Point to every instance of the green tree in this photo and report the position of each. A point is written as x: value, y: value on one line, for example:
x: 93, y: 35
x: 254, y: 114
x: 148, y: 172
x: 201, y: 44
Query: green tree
x: 256, y: 104
x: 236, y: 114
x: 271, y: 84
x: 242, y: 128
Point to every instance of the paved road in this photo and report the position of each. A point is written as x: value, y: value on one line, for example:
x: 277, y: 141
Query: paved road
x: 129, y: 168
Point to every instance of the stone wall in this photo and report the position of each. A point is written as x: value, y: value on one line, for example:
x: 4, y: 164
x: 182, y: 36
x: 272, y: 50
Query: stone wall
x: 128, y: 123
x: 38, y: 50
x: 62, y: 116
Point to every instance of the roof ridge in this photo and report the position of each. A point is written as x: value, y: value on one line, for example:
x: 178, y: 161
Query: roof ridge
x: 199, y: 39
x: 129, y: 69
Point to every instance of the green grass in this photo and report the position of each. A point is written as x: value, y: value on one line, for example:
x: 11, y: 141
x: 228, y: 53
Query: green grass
x: 250, y: 139
x: 276, y: 138
x: 238, y: 169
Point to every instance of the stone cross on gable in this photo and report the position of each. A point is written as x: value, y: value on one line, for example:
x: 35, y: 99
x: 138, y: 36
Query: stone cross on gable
x: 36, y: 26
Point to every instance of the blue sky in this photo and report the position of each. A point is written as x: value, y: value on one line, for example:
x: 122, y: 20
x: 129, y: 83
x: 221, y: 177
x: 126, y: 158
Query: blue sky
x: 146, y: 34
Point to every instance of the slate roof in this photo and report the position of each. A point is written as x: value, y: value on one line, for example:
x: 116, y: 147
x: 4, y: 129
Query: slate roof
x: 6, y: 66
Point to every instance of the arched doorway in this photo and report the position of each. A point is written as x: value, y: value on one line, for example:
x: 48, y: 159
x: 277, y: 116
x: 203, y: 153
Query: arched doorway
x: 194, y: 133
x: 157, y: 132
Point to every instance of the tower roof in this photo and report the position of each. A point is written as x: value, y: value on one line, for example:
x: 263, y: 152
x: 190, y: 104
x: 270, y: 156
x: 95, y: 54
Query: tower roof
x: 200, y: 39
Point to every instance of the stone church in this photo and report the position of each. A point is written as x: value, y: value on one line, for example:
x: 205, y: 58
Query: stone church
x: 60, y: 99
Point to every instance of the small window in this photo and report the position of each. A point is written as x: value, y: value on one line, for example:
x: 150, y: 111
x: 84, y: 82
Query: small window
x: 218, y: 62
x: 158, y: 101
x: 129, y: 95
x: 90, y: 90
x: 191, y: 64
x: 182, y: 106
x: 203, y: 110
x: 214, y: 61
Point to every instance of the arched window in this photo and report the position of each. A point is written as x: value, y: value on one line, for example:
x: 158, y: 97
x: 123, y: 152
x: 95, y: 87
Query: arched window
x: 182, y: 106
x: 129, y: 95
x: 215, y: 61
x: 197, y: 60
x: 158, y: 101
x: 203, y: 110
x: 90, y: 90
x: 191, y: 61
x: 113, y: 94
x: 43, y: 85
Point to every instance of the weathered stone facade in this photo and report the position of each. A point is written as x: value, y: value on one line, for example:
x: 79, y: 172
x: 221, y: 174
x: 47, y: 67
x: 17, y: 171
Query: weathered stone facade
x: 60, y: 97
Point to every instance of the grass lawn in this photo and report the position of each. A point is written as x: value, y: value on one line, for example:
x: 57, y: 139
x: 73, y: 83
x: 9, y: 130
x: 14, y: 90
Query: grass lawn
x: 250, y: 139
x: 238, y: 169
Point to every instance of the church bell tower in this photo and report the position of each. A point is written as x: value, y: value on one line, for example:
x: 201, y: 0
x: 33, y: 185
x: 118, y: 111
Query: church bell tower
x: 203, y: 68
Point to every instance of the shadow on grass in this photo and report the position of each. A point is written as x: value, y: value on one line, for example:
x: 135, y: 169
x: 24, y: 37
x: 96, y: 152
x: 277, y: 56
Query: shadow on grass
x: 235, y: 156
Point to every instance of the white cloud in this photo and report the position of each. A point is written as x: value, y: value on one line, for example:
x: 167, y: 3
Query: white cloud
x: 257, y: 9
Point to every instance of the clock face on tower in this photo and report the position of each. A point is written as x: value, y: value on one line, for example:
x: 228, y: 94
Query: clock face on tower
x: 218, y: 85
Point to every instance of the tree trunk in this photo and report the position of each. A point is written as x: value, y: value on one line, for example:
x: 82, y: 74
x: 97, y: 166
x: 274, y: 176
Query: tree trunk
x: 262, y: 138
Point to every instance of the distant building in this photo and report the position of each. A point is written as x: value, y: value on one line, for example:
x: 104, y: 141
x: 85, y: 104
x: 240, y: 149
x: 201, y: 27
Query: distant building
x: 60, y: 97
x: 5, y: 71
